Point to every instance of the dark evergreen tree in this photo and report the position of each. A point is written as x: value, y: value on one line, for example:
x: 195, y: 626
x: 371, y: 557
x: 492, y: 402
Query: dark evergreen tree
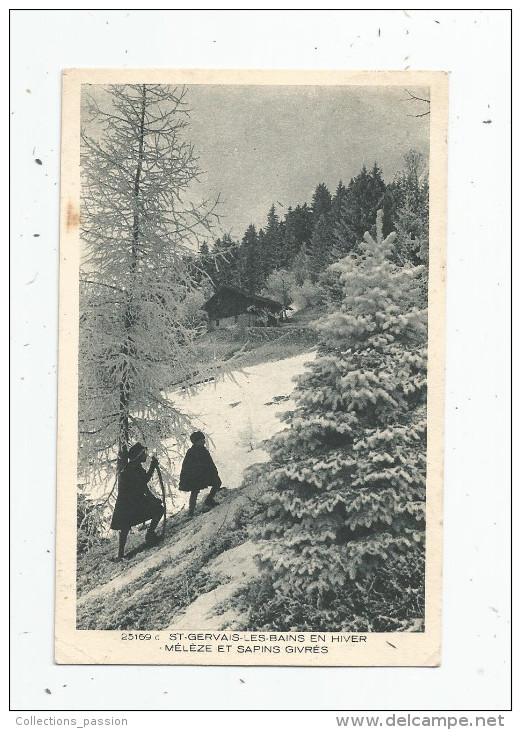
x: 272, y: 244
x: 290, y: 244
x: 338, y: 200
x: 321, y: 202
x: 226, y: 261
x: 365, y: 195
x: 250, y: 261
x: 297, y: 232
x: 304, y: 223
x: 322, y: 245
x: 204, y: 265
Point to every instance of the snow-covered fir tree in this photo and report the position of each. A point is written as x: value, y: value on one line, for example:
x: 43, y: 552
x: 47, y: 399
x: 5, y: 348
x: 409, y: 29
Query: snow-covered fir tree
x: 137, y: 230
x: 410, y: 191
x: 345, y: 495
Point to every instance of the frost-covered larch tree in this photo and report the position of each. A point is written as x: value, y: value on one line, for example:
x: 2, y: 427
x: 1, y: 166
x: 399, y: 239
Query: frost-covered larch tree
x: 346, y: 491
x: 137, y: 229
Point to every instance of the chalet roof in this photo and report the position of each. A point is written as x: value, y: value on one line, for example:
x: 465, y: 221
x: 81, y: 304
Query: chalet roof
x: 254, y: 298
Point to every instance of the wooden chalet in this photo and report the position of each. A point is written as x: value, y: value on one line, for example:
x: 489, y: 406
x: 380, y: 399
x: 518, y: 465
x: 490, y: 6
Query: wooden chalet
x: 231, y: 306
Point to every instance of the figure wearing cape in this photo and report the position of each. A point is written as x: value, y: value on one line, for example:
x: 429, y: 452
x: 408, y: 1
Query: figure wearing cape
x: 135, y: 502
x: 198, y: 472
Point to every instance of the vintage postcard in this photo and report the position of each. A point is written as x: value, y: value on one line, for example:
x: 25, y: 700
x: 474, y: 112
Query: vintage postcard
x: 251, y: 367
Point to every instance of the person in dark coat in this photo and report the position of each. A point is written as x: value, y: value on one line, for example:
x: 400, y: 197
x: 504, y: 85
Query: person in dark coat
x: 136, y: 503
x: 199, y: 472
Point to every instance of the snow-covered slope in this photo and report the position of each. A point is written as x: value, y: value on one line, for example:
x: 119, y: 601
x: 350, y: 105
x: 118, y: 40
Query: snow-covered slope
x: 184, y: 582
x: 233, y: 569
x: 237, y: 414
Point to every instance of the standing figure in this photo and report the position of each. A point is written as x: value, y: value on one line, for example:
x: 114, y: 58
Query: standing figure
x: 136, y: 503
x: 198, y: 472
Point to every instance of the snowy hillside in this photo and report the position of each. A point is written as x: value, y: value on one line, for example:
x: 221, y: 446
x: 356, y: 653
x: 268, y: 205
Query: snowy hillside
x: 239, y: 413
x: 187, y: 581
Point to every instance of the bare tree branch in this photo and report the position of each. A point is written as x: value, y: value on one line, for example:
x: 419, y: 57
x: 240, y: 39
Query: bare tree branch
x: 413, y: 97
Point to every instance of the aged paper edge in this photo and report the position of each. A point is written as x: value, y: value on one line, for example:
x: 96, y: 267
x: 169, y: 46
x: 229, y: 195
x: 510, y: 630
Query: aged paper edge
x: 74, y: 646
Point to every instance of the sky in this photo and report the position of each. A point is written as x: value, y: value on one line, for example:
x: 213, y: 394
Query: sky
x: 264, y: 145
x: 260, y: 145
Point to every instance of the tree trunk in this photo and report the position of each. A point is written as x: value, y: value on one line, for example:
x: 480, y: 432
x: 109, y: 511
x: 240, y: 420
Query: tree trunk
x: 129, y: 317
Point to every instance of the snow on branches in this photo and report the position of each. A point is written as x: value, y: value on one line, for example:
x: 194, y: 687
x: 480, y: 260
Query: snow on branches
x: 346, y: 487
x: 138, y: 229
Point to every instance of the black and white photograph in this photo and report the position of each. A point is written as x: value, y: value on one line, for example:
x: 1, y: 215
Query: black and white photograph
x: 255, y: 306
